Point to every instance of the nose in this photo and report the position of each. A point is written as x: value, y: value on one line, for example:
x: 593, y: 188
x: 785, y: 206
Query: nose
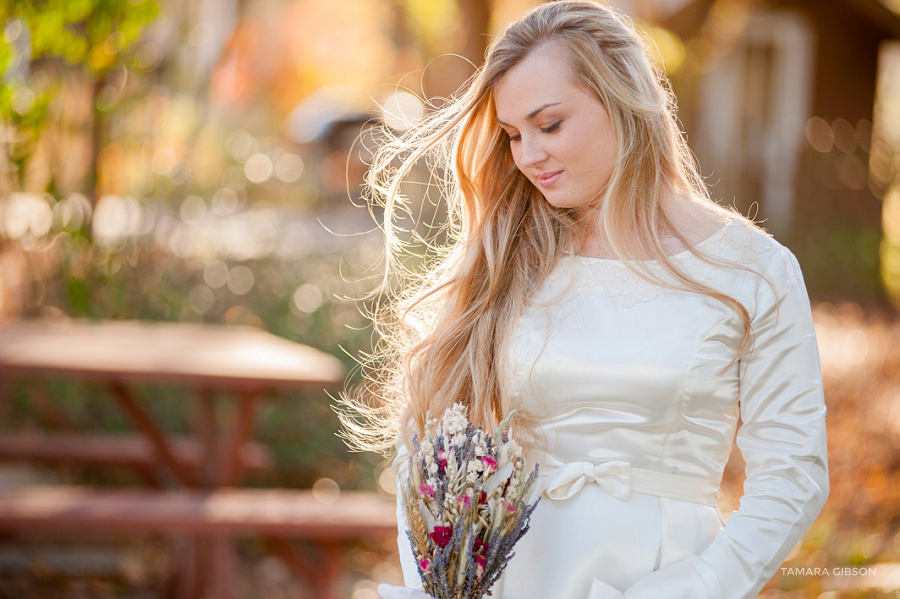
x: 531, y: 151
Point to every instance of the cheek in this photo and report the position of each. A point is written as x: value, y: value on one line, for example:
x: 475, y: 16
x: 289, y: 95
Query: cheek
x: 607, y: 147
x: 593, y: 154
x: 514, y: 152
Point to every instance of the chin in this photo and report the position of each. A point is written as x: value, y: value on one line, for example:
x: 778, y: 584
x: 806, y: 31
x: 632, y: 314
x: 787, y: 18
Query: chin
x: 557, y: 201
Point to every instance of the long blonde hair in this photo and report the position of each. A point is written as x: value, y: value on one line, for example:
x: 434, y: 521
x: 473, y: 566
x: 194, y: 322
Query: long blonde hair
x: 443, y: 330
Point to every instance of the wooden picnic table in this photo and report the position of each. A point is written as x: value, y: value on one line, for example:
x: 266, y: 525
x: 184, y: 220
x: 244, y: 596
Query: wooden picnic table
x: 245, y: 361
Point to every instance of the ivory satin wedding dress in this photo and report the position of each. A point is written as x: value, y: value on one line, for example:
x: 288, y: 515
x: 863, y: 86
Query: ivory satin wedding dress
x: 639, y: 424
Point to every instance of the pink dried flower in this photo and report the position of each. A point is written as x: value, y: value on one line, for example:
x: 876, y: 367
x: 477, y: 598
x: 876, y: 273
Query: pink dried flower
x: 426, y: 489
x: 424, y: 563
x: 441, y: 535
x: 442, y: 460
x: 489, y: 462
x: 510, y: 506
x: 465, y: 500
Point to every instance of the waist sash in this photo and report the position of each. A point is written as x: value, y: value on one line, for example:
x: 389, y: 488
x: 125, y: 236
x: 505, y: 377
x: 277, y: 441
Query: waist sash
x: 619, y: 479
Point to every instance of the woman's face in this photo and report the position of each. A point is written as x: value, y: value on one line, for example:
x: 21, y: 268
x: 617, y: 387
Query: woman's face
x: 559, y: 133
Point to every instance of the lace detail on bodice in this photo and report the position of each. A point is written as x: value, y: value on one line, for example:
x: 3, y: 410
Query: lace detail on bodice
x: 735, y: 241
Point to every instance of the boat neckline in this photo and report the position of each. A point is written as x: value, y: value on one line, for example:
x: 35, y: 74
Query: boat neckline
x: 718, y: 233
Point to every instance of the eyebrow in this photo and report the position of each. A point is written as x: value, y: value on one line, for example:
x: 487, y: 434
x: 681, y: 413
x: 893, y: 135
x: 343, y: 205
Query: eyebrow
x: 533, y: 113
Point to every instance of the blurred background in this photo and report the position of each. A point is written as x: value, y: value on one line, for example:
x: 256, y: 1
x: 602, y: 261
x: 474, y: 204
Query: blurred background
x: 201, y: 162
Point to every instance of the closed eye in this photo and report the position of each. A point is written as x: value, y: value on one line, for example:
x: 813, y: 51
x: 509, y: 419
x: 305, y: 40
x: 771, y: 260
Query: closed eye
x: 554, y: 127
x: 551, y: 129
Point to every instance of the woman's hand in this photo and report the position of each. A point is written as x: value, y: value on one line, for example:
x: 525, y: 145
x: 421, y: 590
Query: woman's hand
x: 388, y: 591
x: 688, y: 578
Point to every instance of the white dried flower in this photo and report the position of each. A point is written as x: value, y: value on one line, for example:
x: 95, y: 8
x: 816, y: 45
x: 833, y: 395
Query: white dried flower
x: 455, y: 420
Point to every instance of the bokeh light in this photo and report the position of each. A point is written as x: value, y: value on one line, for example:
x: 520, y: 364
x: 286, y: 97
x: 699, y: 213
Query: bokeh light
x: 240, y: 280
x: 307, y: 299
x: 117, y: 219
x: 258, y: 168
x: 402, y: 110
x: 326, y: 491
x: 25, y: 215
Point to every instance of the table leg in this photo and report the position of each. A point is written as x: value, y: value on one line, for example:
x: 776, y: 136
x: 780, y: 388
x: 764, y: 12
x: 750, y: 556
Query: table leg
x: 205, y: 424
x: 183, y: 582
x: 51, y: 413
x: 217, y: 559
x: 327, y: 584
x: 223, y: 569
x: 206, y: 566
x: 232, y: 465
x: 156, y: 436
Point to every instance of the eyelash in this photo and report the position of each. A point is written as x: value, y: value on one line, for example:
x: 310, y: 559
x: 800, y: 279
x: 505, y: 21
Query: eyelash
x: 551, y: 129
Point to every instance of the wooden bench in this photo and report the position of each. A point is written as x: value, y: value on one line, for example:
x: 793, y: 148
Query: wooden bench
x: 117, y: 450
x: 277, y: 514
x: 274, y: 512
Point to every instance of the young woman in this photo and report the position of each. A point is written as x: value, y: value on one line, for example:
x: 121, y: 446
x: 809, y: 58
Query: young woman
x: 591, y: 283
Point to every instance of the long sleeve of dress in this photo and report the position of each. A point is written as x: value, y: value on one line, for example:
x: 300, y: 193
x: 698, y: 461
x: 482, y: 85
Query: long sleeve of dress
x: 782, y: 440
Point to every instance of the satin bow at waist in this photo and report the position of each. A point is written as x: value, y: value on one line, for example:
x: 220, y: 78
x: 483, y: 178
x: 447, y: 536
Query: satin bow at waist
x: 620, y: 479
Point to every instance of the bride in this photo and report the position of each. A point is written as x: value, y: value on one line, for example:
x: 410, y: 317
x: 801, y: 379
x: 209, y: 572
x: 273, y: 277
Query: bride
x: 591, y: 283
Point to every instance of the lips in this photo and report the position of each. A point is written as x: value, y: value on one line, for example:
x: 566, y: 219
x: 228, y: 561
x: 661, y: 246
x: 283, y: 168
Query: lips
x: 548, y: 179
